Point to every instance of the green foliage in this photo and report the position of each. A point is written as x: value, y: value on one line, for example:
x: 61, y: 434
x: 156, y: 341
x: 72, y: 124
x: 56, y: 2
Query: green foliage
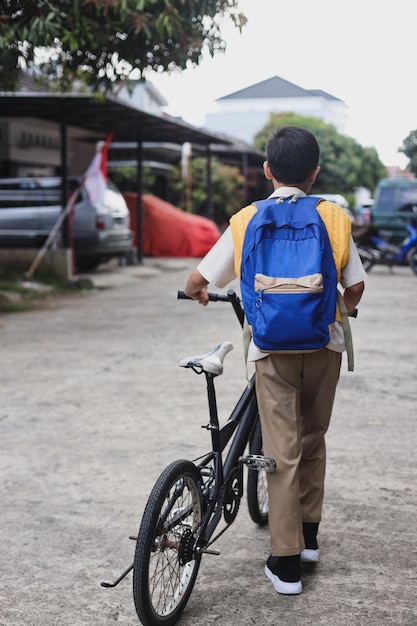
x: 409, y: 148
x: 125, y: 178
x: 227, y: 189
x: 344, y: 164
x: 102, y: 42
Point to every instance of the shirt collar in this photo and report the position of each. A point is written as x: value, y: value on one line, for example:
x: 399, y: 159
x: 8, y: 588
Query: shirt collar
x: 286, y: 192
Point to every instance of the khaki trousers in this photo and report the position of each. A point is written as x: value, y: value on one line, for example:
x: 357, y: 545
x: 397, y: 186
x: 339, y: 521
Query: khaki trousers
x: 295, y: 398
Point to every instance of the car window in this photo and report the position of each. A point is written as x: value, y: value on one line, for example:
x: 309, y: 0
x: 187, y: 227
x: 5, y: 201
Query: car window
x: 386, y: 199
x: 29, y: 198
x: 395, y: 198
x: 15, y: 193
x: 407, y: 199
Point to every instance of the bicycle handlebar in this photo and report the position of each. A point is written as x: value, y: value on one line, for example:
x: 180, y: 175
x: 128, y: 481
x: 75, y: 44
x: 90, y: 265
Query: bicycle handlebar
x: 234, y: 300
x: 230, y: 296
x: 213, y: 297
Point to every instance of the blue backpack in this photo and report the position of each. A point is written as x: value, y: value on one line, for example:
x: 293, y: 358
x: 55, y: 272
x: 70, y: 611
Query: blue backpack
x: 288, y: 276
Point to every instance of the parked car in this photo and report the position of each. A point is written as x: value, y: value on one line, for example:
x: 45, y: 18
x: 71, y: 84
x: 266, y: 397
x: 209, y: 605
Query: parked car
x: 395, y: 206
x: 29, y: 208
x: 336, y: 198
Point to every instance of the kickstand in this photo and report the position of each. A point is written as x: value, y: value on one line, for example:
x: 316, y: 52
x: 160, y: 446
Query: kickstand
x: 117, y: 581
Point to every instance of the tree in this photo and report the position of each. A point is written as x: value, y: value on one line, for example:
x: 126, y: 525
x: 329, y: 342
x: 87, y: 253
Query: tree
x: 103, y: 42
x: 227, y: 189
x: 345, y: 164
x: 409, y: 148
x: 125, y: 178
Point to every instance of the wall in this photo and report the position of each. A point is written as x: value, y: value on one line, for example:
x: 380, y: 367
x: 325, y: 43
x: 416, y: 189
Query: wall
x: 57, y: 263
x: 243, y: 118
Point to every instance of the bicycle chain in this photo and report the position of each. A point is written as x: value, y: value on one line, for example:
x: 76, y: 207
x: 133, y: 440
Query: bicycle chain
x: 185, y: 553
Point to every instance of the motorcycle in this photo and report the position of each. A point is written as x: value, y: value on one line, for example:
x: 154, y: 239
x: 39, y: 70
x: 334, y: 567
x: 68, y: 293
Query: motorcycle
x: 375, y: 250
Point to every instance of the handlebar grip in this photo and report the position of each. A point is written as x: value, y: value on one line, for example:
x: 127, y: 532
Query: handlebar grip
x: 181, y: 295
x: 213, y: 297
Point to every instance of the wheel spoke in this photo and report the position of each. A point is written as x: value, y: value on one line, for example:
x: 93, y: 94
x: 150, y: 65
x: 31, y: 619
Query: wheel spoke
x: 165, y: 566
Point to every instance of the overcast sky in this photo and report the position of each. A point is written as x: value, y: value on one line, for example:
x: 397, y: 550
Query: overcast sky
x: 360, y: 51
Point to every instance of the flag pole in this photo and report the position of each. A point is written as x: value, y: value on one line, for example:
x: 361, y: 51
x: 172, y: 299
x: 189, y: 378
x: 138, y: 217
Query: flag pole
x: 54, y: 231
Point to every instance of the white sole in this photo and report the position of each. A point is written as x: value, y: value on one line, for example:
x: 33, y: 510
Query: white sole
x: 280, y: 586
x: 310, y: 556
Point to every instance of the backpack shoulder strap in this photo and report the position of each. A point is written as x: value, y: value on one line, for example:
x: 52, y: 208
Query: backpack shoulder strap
x: 347, y: 332
x: 302, y: 209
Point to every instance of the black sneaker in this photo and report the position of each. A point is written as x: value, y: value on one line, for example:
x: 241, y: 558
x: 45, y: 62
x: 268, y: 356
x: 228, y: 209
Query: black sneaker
x: 311, y: 553
x: 284, y: 572
x: 310, y: 530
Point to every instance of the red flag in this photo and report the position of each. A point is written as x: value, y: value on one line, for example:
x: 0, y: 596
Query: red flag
x: 95, y: 178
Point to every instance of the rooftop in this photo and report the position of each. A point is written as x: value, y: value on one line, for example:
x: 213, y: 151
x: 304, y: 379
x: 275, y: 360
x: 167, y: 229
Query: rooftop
x: 276, y: 87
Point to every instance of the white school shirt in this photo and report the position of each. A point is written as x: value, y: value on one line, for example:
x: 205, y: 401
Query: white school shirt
x: 218, y: 268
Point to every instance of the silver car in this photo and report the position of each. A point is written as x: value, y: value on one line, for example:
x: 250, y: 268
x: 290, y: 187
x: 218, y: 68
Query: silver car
x: 29, y: 208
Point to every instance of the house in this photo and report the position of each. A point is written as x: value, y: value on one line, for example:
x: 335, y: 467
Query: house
x: 243, y: 113
x: 142, y: 95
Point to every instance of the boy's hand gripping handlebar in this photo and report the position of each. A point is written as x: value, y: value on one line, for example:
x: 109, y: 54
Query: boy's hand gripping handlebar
x: 229, y: 296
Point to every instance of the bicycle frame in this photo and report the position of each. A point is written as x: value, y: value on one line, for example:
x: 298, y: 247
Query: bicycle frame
x: 239, y: 426
x: 241, y: 421
x: 237, y: 431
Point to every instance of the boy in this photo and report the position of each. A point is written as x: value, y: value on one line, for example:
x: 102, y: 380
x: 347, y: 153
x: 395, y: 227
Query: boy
x: 295, y: 391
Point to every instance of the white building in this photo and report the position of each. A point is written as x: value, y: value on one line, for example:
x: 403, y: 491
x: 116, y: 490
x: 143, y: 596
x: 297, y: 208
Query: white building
x: 243, y: 113
x: 142, y: 95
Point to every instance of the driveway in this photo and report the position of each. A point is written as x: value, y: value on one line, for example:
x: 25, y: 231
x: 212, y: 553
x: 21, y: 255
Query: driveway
x: 93, y: 406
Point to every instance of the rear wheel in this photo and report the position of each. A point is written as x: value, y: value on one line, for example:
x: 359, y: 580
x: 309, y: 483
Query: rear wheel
x: 412, y: 259
x: 87, y: 264
x: 165, y: 566
x: 367, y: 258
x: 257, y: 489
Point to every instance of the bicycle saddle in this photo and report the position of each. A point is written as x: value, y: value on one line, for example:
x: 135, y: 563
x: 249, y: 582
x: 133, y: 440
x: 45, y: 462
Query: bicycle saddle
x: 211, y: 362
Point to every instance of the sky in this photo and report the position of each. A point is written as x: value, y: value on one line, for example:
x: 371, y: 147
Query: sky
x: 362, y: 52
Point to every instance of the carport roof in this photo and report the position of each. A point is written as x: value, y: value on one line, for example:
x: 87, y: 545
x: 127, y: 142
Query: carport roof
x: 104, y: 116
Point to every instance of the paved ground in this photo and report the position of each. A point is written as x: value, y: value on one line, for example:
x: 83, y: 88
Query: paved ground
x: 93, y: 406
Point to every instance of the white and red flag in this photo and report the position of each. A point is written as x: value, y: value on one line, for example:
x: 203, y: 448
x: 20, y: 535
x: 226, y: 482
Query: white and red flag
x: 95, y: 178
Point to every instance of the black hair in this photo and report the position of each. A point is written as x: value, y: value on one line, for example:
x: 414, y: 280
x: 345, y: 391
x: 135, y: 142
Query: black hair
x: 293, y: 153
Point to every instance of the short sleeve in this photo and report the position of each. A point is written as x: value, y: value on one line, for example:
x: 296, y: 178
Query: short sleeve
x: 353, y: 271
x: 218, y: 265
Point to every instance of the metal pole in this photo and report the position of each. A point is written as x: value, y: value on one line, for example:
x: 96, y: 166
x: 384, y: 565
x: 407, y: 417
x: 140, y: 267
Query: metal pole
x: 66, y: 235
x: 209, y: 205
x: 245, y: 169
x: 139, y: 207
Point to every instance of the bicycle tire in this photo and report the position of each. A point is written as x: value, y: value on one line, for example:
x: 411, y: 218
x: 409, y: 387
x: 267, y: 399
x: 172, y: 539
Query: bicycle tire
x: 257, y: 488
x: 412, y: 259
x: 366, y: 258
x: 162, y: 582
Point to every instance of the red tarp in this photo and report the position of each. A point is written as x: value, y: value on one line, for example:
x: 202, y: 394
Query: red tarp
x: 169, y: 231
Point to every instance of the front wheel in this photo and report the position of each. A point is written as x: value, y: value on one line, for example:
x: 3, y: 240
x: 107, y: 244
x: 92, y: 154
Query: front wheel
x: 257, y: 489
x: 412, y: 259
x: 165, y: 565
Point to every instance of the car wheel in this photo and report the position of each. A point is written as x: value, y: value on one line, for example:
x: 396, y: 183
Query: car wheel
x: 87, y: 264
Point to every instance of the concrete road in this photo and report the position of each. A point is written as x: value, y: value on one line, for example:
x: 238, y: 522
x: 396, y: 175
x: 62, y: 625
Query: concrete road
x: 93, y: 406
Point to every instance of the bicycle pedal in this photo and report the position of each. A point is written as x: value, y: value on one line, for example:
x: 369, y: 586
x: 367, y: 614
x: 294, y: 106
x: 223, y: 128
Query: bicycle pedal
x: 206, y: 551
x: 259, y: 462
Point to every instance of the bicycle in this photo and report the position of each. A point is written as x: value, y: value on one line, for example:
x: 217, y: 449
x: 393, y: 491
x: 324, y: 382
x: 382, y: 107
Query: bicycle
x: 191, y: 498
